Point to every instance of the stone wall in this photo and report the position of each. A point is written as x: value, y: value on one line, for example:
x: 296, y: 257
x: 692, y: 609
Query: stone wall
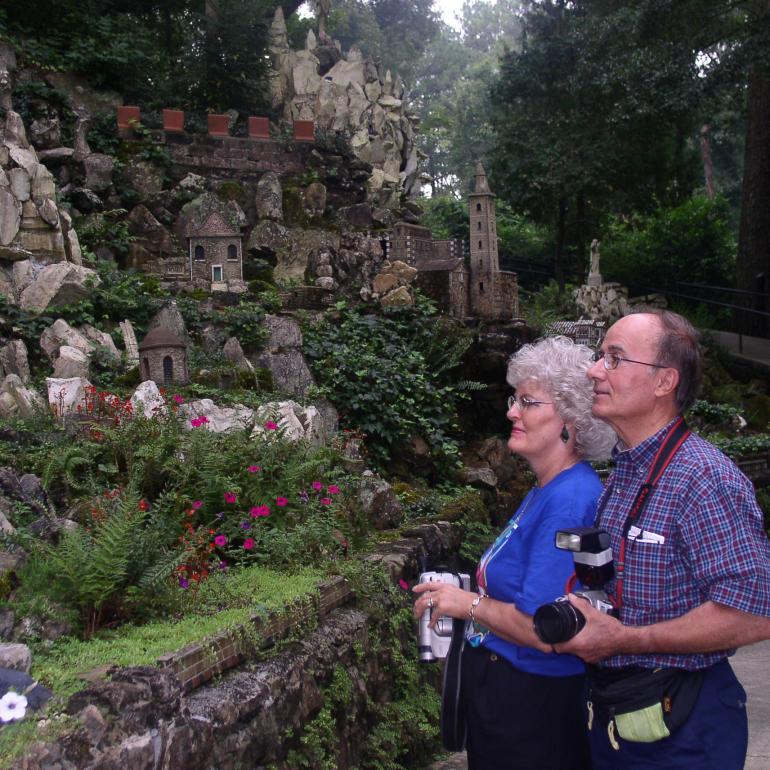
x: 228, y: 158
x: 182, y: 716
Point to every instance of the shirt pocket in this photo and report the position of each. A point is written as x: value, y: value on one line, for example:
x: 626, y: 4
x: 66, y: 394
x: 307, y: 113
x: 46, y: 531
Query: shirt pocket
x: 649, y: 573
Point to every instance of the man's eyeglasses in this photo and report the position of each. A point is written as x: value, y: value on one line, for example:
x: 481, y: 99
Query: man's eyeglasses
x: 612, y: 360
x: 524, y: 403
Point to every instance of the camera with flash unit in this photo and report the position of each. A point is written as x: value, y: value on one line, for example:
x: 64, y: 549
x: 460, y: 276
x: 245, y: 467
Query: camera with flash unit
x: 434, y: 642
x: 558, y: 621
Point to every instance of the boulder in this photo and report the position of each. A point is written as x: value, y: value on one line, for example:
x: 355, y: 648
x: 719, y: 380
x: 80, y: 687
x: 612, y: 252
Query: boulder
x: 150, y: 234
x: 282, y: 332
x: 60, y: 333
x: 86, y: 201
x: 20, y: 184
x: 169, y: 317
x: 359, y: 216
x: 13, y: 360
x: 98, y: 171
x: 10, y: 216
x: 315, y: 199
x: 218, y: 419
x: 379, y: 503
x: 144, y: 177
x: 100, y: 339
x: 17, y: 399
x: 146, y: 400
x: 289, y: 371
x: 65, y: 395
x: 45, y: 133
x: 296, y: 422
x: 269, y: 197
x: 58, y: 284
x: 70, y: 363
x: 233, y: 352
x: 16, y: 657
x: 400, y: 297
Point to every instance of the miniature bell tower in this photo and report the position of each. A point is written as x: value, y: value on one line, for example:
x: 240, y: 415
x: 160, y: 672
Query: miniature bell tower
x: 484, y: 263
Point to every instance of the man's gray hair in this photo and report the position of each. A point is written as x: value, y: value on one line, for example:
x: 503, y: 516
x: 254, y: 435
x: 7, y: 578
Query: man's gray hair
x: 559, y: 366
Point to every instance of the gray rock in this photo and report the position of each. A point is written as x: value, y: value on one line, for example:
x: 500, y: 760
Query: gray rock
x: 144, y: 177
x: 315, y: 199
x: 45, y: 133
x: 7, y: 620
x: 13, y: 360
x: 149, y: 232
x: 71, y: 362
x: 379, y: 504
x: 48, y: 211
x: 233, y: 352
x: 100, y: 339
x: 289, y: 371
x: 85, y: 200
x: 42, y: 183
x: 212, y: 339
x: 479, y: 476
x: 282, y: 332
x: 297, y: 422
x: 66, y: 395
x: 17, y: 657
x: 60, y: 333
x: 269, y: 197
x: 17, y: 399
x: 20, y: 184
x: 219, y: 419
x: 98, y: 171
x: 10, y: 216
x: 147, y: 400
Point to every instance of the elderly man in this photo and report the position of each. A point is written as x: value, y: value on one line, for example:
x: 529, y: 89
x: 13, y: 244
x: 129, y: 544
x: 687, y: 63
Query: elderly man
x: 695, y: 583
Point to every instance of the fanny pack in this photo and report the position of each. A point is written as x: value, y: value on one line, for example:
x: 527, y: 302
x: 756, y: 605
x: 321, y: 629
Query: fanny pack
x: 641, y: 705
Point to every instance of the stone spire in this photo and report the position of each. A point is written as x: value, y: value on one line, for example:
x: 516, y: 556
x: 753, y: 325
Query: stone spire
x: 481, y: 185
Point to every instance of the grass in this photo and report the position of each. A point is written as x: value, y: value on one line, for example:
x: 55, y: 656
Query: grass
x: 223, y: 601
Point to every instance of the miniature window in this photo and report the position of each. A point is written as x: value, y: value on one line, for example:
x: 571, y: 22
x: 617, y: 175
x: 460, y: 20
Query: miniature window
x: 478, y: 207
x: 481, y: 288
x: 478, y: 225
x: 168, y: 369
x: 200, y: 254
x: 481, y: 244
x: 232, y: 251
x: 216, y: 273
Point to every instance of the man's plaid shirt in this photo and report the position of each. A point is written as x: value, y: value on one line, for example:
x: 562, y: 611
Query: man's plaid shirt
x: 702, y: 539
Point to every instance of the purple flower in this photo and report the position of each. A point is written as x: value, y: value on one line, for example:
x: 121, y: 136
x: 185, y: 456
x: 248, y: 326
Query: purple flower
x: 184, y: 582
x: 245, y: 525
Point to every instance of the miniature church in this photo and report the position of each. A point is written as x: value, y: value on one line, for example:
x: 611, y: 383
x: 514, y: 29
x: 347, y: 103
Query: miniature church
x: 473, y: 289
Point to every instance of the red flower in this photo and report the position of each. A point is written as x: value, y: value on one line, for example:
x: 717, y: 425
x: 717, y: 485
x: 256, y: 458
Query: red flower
x: 248, y: 543
x: 326, y: 501
x: 144, y: 505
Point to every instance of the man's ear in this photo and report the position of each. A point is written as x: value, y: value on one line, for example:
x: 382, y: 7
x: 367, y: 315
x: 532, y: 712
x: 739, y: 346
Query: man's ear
x: 667, y: 380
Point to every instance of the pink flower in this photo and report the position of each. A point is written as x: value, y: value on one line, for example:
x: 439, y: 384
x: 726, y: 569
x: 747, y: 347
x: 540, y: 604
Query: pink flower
x: 230, y: 497
x: 281, y: 501
x: 332, y: 489
x: 203, y: 419
x: 220, y: 540
x: 403, y: 584
x: 270, y: 425
x: 178, y: 399
x: 253, y: 469
x: 260, y: 510
x: 317, y: 485
x: 195, y: 422
x: 326, y: 501
x: 197, y: 504
x: 248, y: 543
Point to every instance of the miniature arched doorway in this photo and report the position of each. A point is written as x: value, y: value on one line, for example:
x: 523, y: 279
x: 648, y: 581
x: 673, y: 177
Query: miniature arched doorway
x: 168, y: 369
x: 200, y: 254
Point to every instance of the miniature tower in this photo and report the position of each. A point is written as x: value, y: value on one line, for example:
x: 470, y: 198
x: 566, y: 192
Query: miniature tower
x: 485, y: 266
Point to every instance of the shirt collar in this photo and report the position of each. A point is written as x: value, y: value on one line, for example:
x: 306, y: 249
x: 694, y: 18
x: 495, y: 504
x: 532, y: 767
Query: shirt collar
x: 642, y: 454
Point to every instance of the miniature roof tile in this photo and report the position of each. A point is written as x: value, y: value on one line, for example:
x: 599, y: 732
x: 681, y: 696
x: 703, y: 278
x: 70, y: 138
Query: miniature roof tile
x: 215, y: 226
x: 428, y: 265
x: 161, y: 337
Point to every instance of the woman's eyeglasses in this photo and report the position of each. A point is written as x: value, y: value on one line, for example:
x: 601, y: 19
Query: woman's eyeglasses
x: 524, y: 403
x: 612, y: 360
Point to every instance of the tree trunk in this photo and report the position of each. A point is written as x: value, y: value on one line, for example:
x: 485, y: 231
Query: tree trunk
x: 708, y: 162
x: 753, y: 263
x: 561, y: 228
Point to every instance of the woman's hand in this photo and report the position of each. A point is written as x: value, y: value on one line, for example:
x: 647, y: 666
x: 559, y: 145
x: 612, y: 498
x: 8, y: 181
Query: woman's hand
x: 442, y: 599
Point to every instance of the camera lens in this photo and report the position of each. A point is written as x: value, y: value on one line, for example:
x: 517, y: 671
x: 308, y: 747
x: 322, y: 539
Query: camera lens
x: 557, y: 622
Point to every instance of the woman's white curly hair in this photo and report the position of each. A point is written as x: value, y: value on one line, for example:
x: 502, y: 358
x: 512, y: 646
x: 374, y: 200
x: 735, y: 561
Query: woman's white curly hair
x: 559, y: 366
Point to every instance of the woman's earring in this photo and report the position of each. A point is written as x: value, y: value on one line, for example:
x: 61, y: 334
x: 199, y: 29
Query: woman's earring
x: 564, y: 435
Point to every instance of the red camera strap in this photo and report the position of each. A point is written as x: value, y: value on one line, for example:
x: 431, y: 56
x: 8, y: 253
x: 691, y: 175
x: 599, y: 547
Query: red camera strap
x: 674, y: 439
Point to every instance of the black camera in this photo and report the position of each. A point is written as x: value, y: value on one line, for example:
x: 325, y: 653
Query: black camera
x: 558, y: 621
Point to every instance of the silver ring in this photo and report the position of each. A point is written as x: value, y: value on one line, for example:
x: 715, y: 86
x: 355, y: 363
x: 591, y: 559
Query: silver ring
x: 430, y: 602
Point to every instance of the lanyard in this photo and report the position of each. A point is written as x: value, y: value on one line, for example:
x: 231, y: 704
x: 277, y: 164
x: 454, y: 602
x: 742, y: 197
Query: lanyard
x: 674, y: 439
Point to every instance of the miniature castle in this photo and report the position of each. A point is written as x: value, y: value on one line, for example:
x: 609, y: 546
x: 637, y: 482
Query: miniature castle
x: 478, y: 289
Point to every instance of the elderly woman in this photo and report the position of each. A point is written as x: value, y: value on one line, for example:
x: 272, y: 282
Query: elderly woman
x: 522, y: 701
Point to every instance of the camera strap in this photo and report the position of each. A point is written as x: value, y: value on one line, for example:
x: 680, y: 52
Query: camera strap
x: 676, y: 436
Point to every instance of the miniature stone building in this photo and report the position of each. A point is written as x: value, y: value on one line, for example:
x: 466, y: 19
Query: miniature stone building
x: 163, y: 358
x: 478, y: 290
x: 215, y: 255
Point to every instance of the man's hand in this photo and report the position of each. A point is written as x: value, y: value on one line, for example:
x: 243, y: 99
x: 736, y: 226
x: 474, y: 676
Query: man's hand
x: 600, y: 638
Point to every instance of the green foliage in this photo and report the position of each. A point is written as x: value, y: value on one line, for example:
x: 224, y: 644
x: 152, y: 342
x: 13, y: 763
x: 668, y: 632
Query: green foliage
x: 693, y: 241
x: 107, y: 228
x: 543, y: 307
x: 390, y: 377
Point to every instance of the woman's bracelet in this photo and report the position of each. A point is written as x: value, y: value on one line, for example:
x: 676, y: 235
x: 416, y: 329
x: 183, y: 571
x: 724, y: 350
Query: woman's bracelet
x: 475, y: 603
